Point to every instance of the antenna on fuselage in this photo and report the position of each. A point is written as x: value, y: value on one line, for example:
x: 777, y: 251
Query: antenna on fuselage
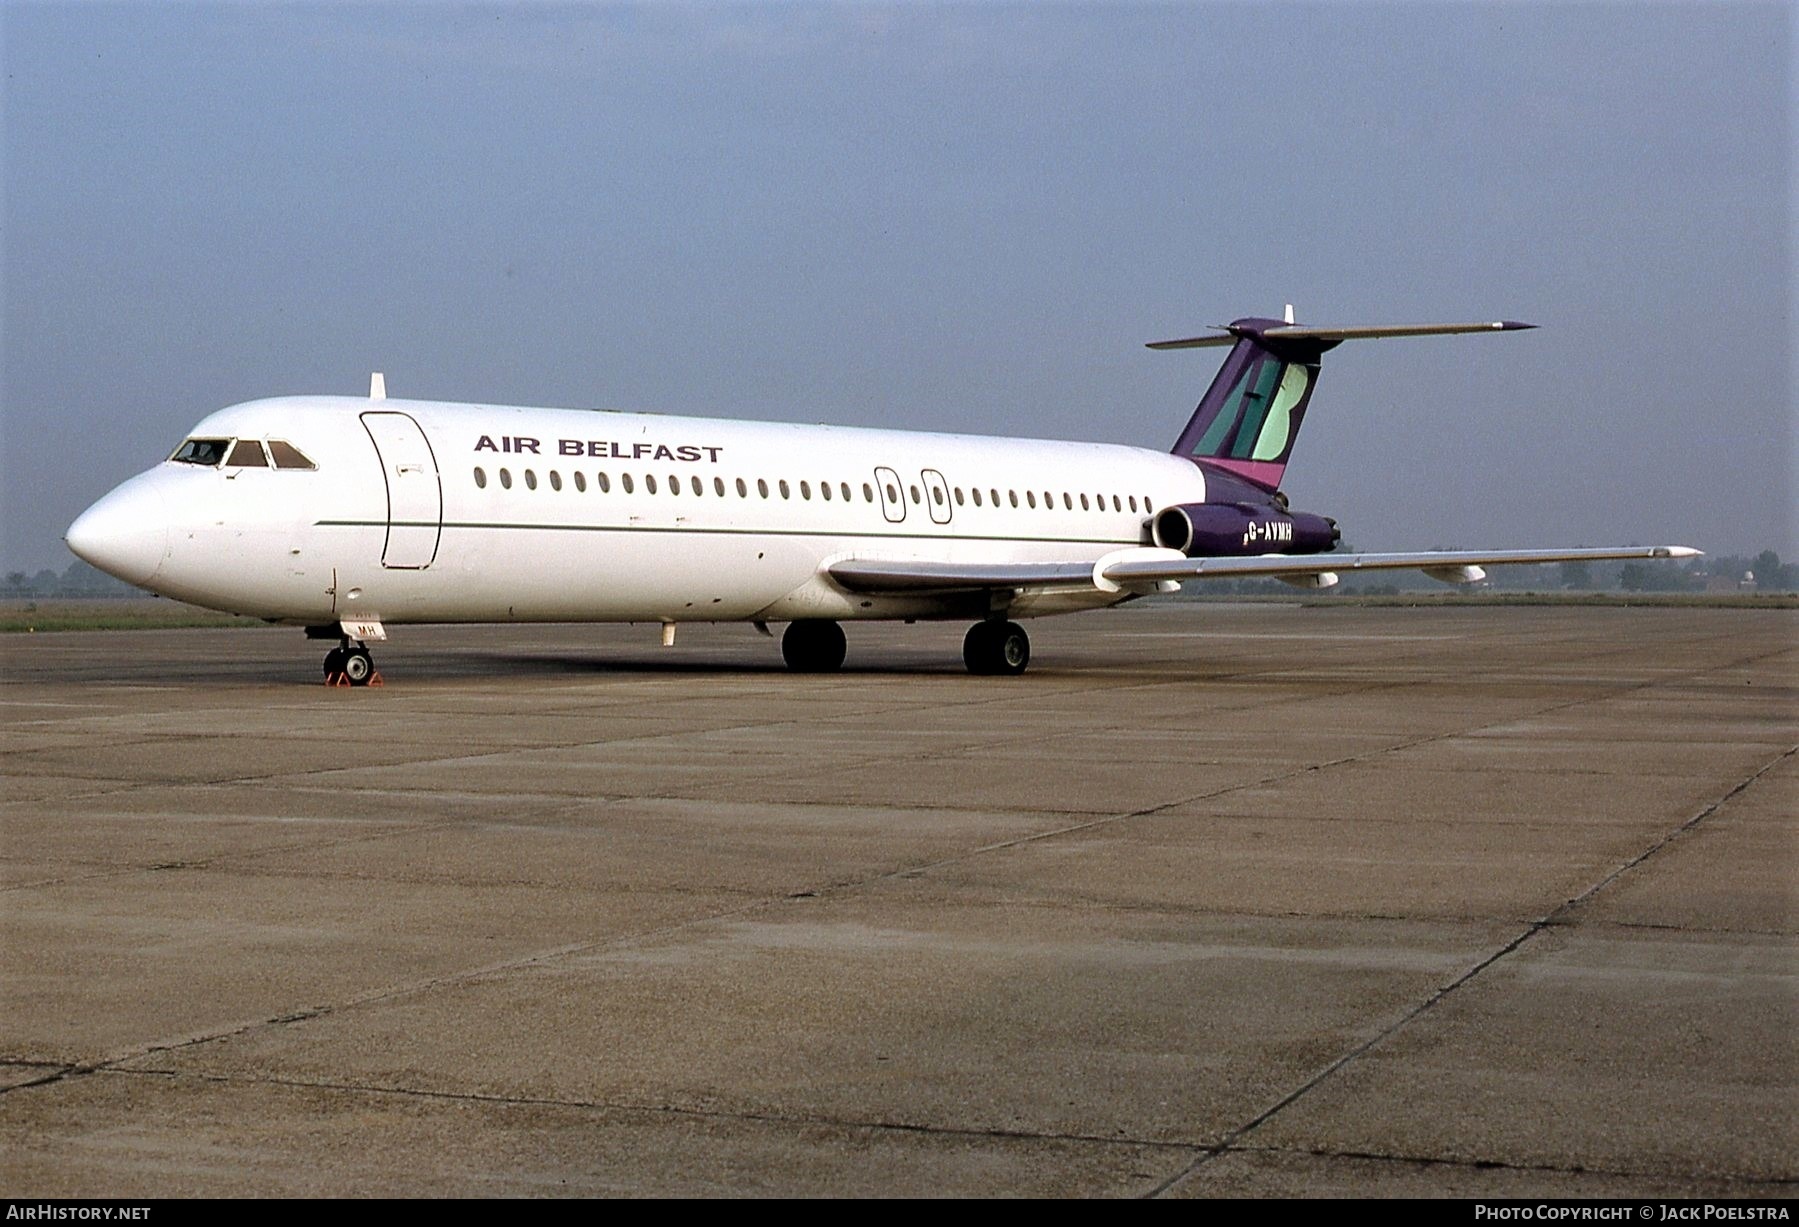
x: 377, y: 386
x: 1289, y: 315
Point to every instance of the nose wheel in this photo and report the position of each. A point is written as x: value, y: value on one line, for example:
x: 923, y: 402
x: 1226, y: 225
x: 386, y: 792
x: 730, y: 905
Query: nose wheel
x: 996, y: 649
x: 350, y: 665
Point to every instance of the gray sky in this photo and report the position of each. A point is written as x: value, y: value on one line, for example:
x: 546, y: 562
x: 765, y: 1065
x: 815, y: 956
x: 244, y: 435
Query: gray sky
x: 964, y: 218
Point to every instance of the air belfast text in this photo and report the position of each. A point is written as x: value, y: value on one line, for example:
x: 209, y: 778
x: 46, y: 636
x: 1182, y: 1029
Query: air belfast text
x: 526, y: 445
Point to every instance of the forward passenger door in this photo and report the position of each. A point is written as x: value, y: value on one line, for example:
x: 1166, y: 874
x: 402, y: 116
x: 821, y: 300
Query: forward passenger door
x: 415, y: 498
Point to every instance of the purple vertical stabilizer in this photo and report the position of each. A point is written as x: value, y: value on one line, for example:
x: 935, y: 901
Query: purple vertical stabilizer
x: 1247, y: 420
x: 1249, y: 417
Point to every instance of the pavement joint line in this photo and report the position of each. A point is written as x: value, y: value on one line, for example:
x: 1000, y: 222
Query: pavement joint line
x: 1541, y: 925
x: 54, y: 1072
x: 1321, y: 1152
x: 655, y: 1109
x: 1570, y: 905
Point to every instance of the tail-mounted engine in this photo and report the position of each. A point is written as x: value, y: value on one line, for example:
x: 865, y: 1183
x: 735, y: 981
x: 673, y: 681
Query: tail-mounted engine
x: 1215, y: 530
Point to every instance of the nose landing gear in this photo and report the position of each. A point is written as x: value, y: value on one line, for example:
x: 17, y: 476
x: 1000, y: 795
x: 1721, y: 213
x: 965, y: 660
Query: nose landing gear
x: 350, y: 664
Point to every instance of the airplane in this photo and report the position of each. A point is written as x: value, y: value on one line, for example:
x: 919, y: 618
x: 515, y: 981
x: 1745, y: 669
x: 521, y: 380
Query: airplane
x: 346, y: 516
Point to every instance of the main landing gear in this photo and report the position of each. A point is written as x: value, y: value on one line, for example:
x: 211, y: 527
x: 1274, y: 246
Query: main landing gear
x: 996, y: 648
x: 350, y: 664
x: 813, y: 645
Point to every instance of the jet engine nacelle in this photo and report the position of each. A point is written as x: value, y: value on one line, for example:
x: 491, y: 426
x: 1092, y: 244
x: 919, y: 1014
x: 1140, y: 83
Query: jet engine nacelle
x: 1213, y: 530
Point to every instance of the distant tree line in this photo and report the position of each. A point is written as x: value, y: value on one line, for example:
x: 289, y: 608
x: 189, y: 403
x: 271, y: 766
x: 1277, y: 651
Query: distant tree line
x: 76, y: 580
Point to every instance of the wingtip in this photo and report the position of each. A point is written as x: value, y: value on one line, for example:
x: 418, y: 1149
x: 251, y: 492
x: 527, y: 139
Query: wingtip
x: 1678, y: 551
x: 1513, y: 325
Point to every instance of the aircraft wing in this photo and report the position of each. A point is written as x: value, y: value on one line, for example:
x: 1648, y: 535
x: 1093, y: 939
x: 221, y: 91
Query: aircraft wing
x: 1451, y: 566
x: 1429, y: 561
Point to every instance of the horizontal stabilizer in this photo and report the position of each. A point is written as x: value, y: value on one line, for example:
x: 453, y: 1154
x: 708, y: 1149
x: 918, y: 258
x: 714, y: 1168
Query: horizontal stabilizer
x: 1229, y: 333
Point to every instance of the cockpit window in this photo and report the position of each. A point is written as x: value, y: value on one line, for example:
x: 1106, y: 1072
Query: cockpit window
x: 201, y: 451
x: 287, y: 456
x: 247, y: 454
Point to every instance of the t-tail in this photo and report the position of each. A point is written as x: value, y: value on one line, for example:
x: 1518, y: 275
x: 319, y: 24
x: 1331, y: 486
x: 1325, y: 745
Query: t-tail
x: 1248, y: 419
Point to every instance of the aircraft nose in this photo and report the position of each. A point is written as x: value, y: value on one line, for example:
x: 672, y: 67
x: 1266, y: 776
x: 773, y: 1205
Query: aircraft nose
x: 124, y: 534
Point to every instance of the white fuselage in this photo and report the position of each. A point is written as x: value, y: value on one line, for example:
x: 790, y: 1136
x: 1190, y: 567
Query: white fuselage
x: 432, y: 512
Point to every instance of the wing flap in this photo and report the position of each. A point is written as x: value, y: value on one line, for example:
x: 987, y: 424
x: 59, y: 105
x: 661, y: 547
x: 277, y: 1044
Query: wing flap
x: 883, y: 577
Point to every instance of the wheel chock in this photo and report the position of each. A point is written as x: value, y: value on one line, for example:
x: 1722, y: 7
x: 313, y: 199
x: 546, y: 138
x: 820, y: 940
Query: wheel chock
x: 343, y: 679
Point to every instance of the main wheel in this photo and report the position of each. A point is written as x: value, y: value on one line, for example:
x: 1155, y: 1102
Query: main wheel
x: 1000, y: 648
x: 813, y: 645
x: 334, y: 662
x: 358, y: 666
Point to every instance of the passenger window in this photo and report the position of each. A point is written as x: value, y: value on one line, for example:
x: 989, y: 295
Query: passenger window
x: 784, y: 491
x: 625, y: 483
x: 762, y: 486
x: 1067, y: 500
x: 845, y: 487
x: 287, y: 456
x: 892, y: 494
x: 824, y: 490
x: 1116, y: 505
x: 247, y: 455
x: 674, y: 484
x: 208, y: 452
x: 718, y: 486
x: 649, y: 482
x: 505, y: 479
x: 805, y: 491
x: 581, y: 481
x: 1084, y: 506
x: 868, y: 493
x: 958, y: 496
x: 555, y: 480
x: 1030, y: 496
x: 937, y: 495
x: 1014, y: 495
x: 480, y: 478
x: 995, y: 494
x: 605, y: 483
x: 530, y: 479
x: 976, y: 492
x: 1133, y: 502
x: 743, y: 491
x: 915, y: 499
